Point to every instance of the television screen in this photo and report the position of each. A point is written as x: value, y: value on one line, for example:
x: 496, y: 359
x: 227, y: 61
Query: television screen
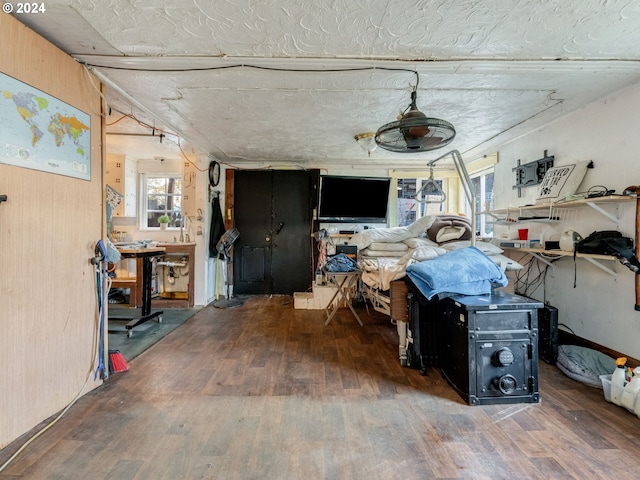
x: 353, y: 199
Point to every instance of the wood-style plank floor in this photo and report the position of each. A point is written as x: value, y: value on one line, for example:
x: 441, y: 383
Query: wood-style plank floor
x: 268, y: 392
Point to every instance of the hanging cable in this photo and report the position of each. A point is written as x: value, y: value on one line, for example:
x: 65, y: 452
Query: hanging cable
x: 257, y: 67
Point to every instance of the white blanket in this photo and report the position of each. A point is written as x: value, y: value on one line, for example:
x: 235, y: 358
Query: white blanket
x: 369, y: 252
x: 379, y: 272
x: 389, y: 247
x: 382, y: 271
x: 391, y: 235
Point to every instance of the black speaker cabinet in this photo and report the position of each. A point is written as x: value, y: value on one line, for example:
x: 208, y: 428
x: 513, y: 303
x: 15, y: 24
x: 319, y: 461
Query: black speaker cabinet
x: 490, y: 351
x: 548, y: 338
x: 423, y: 330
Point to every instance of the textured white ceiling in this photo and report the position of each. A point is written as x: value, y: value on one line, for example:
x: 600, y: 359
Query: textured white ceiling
x: 494, y: 68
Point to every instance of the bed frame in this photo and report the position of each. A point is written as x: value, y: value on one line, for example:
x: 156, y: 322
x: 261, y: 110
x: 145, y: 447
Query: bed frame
x: 393, y: 302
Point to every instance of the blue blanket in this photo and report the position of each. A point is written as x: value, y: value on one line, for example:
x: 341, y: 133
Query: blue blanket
x: 465, y: 271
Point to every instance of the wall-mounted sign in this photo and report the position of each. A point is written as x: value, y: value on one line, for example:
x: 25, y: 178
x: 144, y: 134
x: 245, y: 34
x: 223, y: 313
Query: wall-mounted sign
x: 561, y: 181
x: 40, y: 132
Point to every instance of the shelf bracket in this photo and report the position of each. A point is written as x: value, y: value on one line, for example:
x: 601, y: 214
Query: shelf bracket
x: 601, y: 266
x: 594, y: 261
x: 597, y: 208
x: 540, y: 258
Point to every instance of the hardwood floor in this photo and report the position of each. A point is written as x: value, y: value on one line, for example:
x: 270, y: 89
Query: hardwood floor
x: 268, y: 392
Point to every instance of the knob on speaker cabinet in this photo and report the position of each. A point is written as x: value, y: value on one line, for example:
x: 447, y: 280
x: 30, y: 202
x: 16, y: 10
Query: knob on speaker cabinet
x: 507, y: 384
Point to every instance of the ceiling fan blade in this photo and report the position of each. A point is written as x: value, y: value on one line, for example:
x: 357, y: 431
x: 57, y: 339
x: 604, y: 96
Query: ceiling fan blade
x: 418, y: 134
x: 432, y: 140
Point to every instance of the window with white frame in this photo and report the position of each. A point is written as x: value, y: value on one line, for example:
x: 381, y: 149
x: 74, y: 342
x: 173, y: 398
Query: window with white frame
x: 161, y: 195
x: 428, y: 202
x: 482, y: 183
x: 409, y: 207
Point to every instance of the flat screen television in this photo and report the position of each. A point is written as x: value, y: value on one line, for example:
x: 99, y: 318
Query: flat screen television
x: 353, y: 199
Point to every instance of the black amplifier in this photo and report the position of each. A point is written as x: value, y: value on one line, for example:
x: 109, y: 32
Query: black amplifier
x: 350, y: 251
x: 548, y: 338
x: 490, y: 353
x: 423, y: 331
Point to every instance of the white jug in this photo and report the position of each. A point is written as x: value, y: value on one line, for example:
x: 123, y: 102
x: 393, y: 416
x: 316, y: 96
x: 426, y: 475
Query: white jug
x: 568, y: 240
x: 630, y: 391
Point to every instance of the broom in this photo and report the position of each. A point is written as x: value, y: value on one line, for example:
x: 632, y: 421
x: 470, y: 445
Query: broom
x: 117, y: 363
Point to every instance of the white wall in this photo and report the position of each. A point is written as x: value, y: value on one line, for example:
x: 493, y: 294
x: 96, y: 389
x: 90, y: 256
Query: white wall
x: 601, y: 307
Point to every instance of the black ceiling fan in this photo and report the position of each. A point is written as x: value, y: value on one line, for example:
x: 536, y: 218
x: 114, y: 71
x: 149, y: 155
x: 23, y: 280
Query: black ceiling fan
x: 415, y: 132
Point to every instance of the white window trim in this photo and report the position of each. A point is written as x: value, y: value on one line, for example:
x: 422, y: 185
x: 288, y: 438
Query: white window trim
x: 144, y: 200
x: 451, y: 186
x: 482, y: 173
x: 456, y: 200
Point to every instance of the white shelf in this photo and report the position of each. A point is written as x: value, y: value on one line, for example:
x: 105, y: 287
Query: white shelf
x: 596, y: 203
x: 503, y: 222
x: 555, y: 211
x: 594, y: 200
x: 512, y: 216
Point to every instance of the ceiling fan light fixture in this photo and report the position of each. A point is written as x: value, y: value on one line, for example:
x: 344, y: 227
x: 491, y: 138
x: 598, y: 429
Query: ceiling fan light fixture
x: 415, y: 132
x: 366, y: 141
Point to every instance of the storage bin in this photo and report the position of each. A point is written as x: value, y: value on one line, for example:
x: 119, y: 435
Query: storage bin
x: 606, y: 386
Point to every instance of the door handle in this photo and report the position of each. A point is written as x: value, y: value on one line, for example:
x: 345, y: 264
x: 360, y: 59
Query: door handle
x: 279, y: 227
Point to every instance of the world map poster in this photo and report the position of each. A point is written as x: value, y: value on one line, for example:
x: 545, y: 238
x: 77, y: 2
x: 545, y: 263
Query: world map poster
x: 40, y: 132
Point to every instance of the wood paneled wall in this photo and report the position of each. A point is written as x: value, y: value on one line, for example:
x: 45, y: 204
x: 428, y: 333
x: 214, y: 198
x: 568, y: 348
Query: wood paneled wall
x: 48, y: 231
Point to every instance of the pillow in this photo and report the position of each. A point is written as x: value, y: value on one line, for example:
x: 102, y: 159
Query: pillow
x: 420, y: 242
x: 448, y: 234
x: 367, y: 252
x: 388, y: 235
x: 561, y: 181
x: 506, y: 264
x: 389, y: 247
x: 485, y: 247
x: 447, y: 228
x: 584, y: 364
x: 421, y: 225
x: 427, y: 252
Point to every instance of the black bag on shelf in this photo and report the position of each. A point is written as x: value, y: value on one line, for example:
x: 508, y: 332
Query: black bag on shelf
x: 598, y: 242
x: 610, y: 242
